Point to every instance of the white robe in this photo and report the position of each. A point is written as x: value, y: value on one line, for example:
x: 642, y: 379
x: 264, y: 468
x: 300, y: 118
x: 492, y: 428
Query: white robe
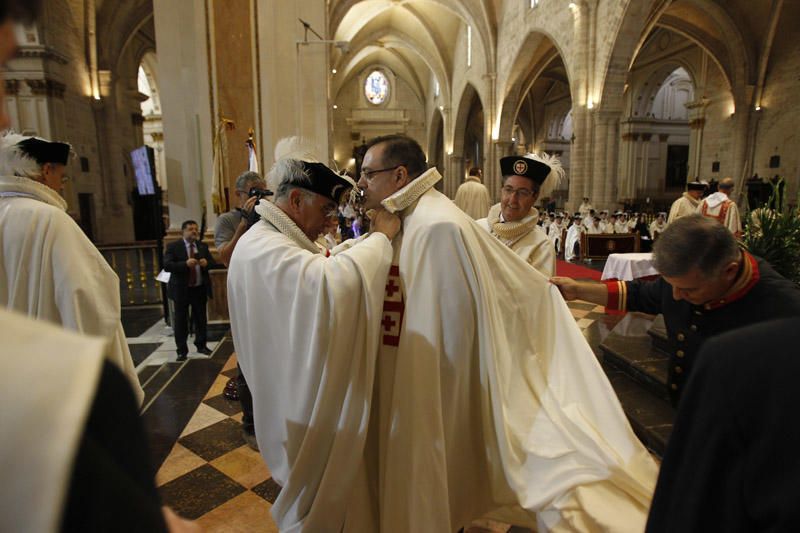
x: 585, y: 208
x: 591, y: 229
x: 306, y: 332
x: 533, y: 246
x: 683, y: 206
x: 606, y: 227
x: 473, y: 198
x: 554, y: 234
x: 573, y: 236
x: 51, y: 271
x: 621, y: 227
x: 713, y: 207
x: 490, y: 401
x: 655, y: 227
x: 49, y: 380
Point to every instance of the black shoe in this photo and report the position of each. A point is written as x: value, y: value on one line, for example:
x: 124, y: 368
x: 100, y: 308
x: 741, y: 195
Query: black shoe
x: 204, y: 350
x: 250, y: 440
x: 181, y: 357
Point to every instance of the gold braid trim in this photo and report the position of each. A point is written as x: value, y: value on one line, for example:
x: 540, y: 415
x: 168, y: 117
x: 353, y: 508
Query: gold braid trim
x: 511, y: 231
x: 275, y: 216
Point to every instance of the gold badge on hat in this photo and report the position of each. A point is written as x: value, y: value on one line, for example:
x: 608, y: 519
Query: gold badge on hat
x: 520, y: 167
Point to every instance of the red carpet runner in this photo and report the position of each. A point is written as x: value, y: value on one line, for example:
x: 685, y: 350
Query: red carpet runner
x: 573, y: 270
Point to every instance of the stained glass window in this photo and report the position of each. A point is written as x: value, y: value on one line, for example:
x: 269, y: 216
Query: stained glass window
x: 376, y: 88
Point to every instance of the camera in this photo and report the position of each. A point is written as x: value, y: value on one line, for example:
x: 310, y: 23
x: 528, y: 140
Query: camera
x: 259, y: 193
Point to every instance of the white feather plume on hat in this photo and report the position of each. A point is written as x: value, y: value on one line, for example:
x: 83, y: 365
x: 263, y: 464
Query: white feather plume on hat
x: 15, y: 162
x: 297, y: 148
x: 557, y: 172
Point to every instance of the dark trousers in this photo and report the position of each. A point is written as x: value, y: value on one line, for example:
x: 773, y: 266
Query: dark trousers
x: 195, y: 298
x: 246, y: 399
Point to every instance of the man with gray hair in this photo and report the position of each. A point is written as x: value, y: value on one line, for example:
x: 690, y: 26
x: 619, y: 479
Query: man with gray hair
x: 708, y: 286
x: 721, y: 208
x: 232, y: 225
x: 306, y: 336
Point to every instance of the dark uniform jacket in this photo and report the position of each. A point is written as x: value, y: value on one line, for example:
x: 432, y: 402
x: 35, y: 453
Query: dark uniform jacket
x: 731, y: 462
x: 175, y: 258
x: 759, y: 294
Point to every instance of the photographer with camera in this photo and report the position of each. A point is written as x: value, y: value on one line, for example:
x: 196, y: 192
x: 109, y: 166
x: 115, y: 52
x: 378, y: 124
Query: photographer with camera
x: 250, y: 188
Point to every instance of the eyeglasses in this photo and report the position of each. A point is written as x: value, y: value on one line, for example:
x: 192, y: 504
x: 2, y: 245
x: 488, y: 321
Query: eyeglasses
x: 523, y: 193
x: 367, y: 174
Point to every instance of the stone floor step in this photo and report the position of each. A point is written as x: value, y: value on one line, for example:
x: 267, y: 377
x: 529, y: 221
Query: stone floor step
x: 658, y: 334
x: 629, y: 348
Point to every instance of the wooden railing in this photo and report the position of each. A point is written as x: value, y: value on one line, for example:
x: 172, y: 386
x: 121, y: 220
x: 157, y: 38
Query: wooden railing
x: 137, y: 264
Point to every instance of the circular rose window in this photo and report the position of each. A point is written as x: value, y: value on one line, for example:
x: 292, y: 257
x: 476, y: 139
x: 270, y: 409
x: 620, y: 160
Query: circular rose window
x: 376, y: 88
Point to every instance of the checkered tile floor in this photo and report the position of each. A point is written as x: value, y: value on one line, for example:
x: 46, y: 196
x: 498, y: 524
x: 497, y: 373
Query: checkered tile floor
x: 213, y: 477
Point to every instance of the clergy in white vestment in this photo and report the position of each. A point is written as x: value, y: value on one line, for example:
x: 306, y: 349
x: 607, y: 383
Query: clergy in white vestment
x: 608, y: 225
x: 721, y: 208
x: 488, y: 400
x: 514, y: 220
x: 594, y: 227
x: 49, y: 269
x: 689, y: 201
x: 633, y: 221
x: 554, y: 231
x: 306, y: 327
x: 621, y: 224
x: 585, y: 208
x: 658, y: 225
x: 573, y: 240
x: 472, y: 196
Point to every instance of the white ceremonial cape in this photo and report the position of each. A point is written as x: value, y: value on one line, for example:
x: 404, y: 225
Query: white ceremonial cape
x: 573, y: 237
x: 683, y: 206
x: 473, y: 198
x: 585, y: 209
x: 554, y: 234
x: 49, y: 380
x: 655, y: 227
x: 525, y: 238
x: 490, y: 401
x: 305, y: 328
x: 49, y: 270
x: 721, y: 208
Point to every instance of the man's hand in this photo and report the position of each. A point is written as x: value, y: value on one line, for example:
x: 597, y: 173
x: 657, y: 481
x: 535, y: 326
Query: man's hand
x: 203, y: 263
x: 386, y: 223
x: 248, y: 206
x: 567, y: 286
x: 191, y: 262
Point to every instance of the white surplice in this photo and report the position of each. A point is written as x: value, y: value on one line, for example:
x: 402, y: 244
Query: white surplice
x: 525, y: 238
x: 306, y: 332
x: 50, y: 377
x: 684, y: 206
x: 721, y: 208
x: 51, y: 271
x: 573, y: 237
x: 489, y: 400
x: 473, y: 198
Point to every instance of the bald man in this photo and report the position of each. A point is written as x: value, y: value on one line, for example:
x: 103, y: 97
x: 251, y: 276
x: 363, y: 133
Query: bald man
x: 720, y: 207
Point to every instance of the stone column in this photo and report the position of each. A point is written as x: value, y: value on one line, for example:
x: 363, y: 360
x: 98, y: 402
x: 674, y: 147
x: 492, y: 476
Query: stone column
x: 599, y: 172
x: 697, y: 121
x: 610, y: 184
x: 579, y: 155
x: 641, y: 182
x: 455, y: 174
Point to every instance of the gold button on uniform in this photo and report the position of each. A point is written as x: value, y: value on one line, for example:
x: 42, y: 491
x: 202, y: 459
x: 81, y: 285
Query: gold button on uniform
x: 681, y: 337
x: 678, y: 370
x: 680, y: 353
x: 693, y: 327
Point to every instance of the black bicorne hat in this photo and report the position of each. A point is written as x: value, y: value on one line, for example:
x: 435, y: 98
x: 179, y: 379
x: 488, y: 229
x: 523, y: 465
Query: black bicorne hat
x: 326, y: 182
x: 43, y: 151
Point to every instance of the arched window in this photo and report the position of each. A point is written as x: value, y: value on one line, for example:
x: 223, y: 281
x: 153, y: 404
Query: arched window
x: 376, y: 87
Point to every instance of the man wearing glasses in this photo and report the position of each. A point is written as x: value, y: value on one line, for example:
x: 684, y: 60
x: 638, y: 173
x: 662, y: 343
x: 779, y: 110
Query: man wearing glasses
x: 486, y: 394
x: 514, y: 219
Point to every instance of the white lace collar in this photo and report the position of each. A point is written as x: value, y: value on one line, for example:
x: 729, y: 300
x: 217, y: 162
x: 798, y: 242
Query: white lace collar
x: 405, y: 197
x: 275, y: 216
x: 17, y: 185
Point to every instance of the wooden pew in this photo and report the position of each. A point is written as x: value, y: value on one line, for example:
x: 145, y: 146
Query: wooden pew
x: 600, y: 246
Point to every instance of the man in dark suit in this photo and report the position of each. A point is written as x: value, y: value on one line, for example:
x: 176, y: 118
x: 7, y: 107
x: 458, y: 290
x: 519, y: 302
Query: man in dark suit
x: 188, y: 260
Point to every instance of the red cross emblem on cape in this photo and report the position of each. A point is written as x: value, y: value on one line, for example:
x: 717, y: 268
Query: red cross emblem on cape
x: 393, y: 309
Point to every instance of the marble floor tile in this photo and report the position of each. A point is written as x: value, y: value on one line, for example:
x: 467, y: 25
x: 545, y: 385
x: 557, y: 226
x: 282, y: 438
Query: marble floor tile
x: 584, y: 323
x: 198, y: 492
x: 202, y: 418
x: 268, y: 490
x: 215, y: 440
x: 578, y: 313
x: 246, y: 513
x: 231, y: 364
x: 179, y: 462
x: 217, y: 388
x: 224, y: 405
x: 243, y: 465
